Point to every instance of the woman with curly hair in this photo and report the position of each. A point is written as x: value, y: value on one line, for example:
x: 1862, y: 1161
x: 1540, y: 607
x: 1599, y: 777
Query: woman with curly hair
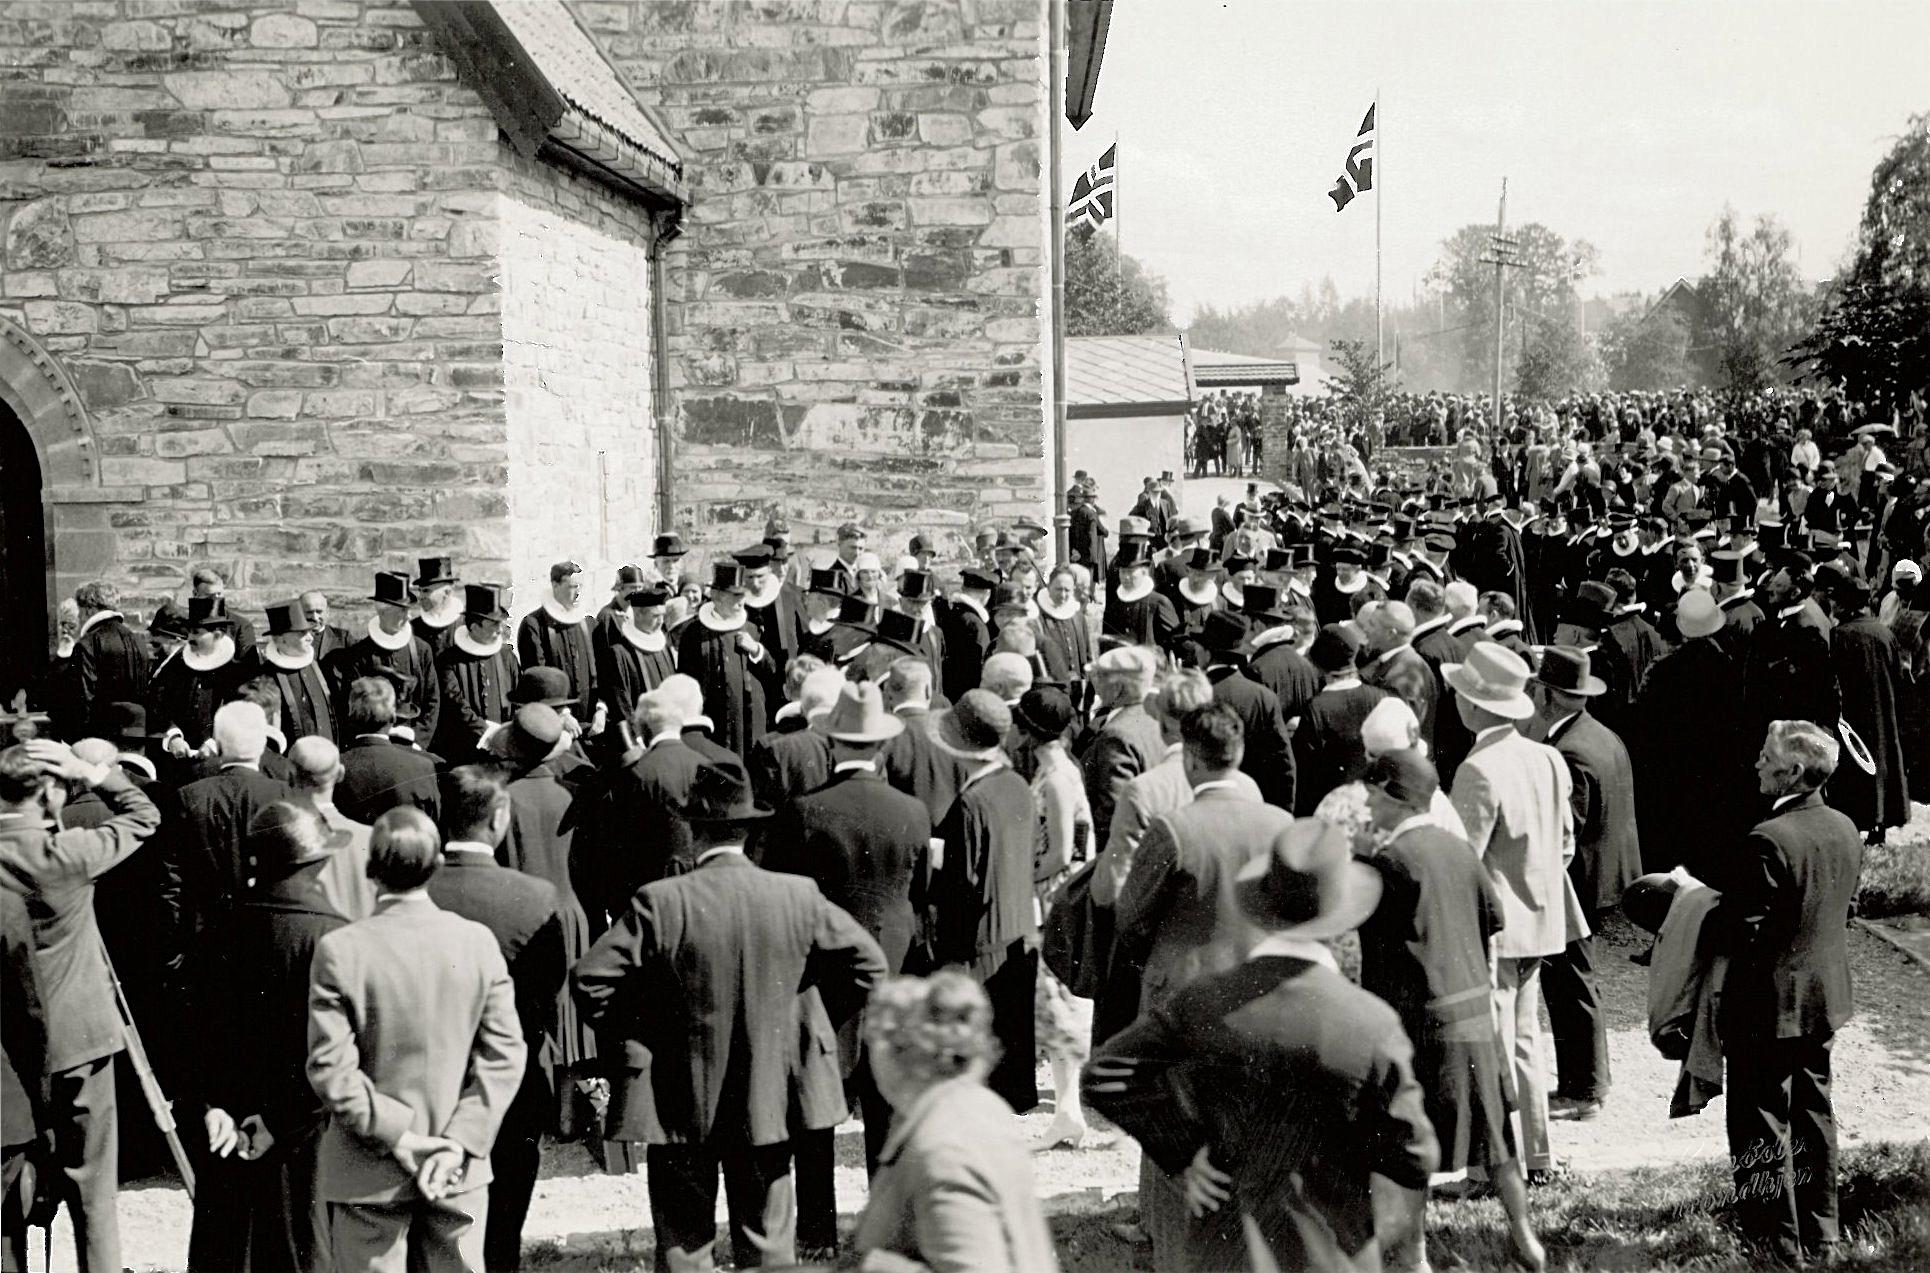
x: 954, y: 1190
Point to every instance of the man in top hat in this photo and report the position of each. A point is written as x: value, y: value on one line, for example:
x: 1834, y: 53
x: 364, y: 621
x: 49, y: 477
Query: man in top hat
x: 616, y: 609
x: 1152, y: 509
x: 1087, y: 534
x: 557, y: 634
x: 898, y: 635
x: 1136, y: 612
x: 1515, y: 796
x: 772, y: 603
x: 390, y: 644
x: 723, y: 651
x: 1787, y: 667
x: 1278, y: 1019
x: 111, y: 662
x: 1274, y: 656
x: 1327, y: 744
x: 827, y: 632
x: 1336, y: 586
x: 1870, y: 684
x: 439, y: 605
x: 1170, y: 563
x: 206, y: 582
x: 289, y: 657
x: 851, y: 542
x: 1266, y: 752
x: 968, y: 633
x: 763, y: 967
x: 1735, y: 597
x: 1195, y: 592
x: 1608, y: 857
x: 634, y: 654
x: 863, y: 841
x: 195, y: 680
x: 478, y: 669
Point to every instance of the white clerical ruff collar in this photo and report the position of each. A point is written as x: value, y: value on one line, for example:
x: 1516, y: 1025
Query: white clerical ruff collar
x: 1737, y: 598
x: 1046, y: 608
x: 287, y: 662
x: 708, y: 616
x: 648, y: 642
x: 1468, y: 624
x: 438, y: 619
x: 1273, y: 636
x: 765, y: 596
x: 223, y: 655
x: 818, y: 627
x: 1202, y: 595
x: 1352, y: 586
x: 470, y: 645
x: 1234, y: 594
x: 1703, y: 578
x: 973, y: 604
x: 1505, y: 627
x: 1134, y: 592
x: 1790, y: 612
x: 95, y: 619
x: 396, y: 640
x: 554, y: 609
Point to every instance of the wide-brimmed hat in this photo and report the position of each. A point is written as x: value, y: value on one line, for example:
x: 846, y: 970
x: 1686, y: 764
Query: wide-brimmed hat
x: 483, y: 601
x: 531, y: 735
x: 169, y: 620
x: 1593, y: 605
x: 976, y: 725
x: 546, y: 685
x: 124, y: 722
x: 1698, y: 615
x: 670, y: 545
x: 1566, y: 668
x: 285, y: 617
x: 434, y: 572
x: 1494, y: 678
x: 1224, y: 631
x: 392, y: 588
x: 860, y: 717
x: 1308, y: 884
x: 208, y: 612
x: 720, y: 794
x: 280, y: 847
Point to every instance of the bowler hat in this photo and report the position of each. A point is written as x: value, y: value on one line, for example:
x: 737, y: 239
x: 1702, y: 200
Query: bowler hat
x: 670, y: 545
x: 1308, y: 883
x: 434, y: 572
x: 1494, y: 678
x: 1566, y: 667
x: 540, y: 684
x: 1593, y: 606
x: 1335, y: 648
x: 720, y: 794
x: 920, y: 544
x: 483, y: 601
x: 860, y: 716
x: 1045, y: 712
x: 392, y: 588
x: 124, y: 722
x: 531, y: 736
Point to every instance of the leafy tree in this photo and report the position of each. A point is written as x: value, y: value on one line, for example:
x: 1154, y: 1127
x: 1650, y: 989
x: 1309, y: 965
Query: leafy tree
x: 1108, y: 297
x: 1362, y: 385
x: 1542, y: 284
x: 1756, y: 300
x: 1641, y: 350
x: 1873, y: 337
x: 1556, y: 360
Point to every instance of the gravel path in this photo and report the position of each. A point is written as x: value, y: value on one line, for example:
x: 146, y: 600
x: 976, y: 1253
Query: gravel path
x: 585, y: 1222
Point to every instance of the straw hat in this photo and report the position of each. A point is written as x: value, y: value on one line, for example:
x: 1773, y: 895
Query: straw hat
x: 1494, y: 678
x: 860, y: 717
x: 1698, y: 615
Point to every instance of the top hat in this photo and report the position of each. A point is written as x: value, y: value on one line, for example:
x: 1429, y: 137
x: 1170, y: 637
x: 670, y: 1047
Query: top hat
x: 1308, y: 884
x: 1223, y: 631
x: 1593, y: 605
x: 1730, y: 568
x: 977, y: 579
x: 1236, y: 562
x: 1493, y: 678
x: 1045, y: 712
x: 1346, y: 555
x: 532, y: 735
x: 755, y: 557
x: 1278, y: 560
x: 285, y: 617
x: 647, y: 595
x: 392, y: 588
x: 539, y: 684
x: 860, y: 716
x: 901, y: 631
x: 1565, y: 667
x: 208, y: 612
x: 727, y: 576
x: 1303, y: 554
x: 854, y: 611
x: 434, y: 572
x: 1133, y: 552
x: 483, y: 601
x: 670, y: 545
x: 1261, y: 601
x: 1199, y: 559
x: 1166, y: 475
x: 825, y: 582
x: 917, y: 585
x: 720, y: 794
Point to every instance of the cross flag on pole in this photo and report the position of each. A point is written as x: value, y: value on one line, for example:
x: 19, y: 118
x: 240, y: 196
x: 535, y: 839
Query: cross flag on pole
x: 1091, y: 202
x: 1359, y: 177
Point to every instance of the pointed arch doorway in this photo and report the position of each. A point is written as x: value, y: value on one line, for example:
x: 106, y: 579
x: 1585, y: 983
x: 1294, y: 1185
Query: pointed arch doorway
x: 24, y: 561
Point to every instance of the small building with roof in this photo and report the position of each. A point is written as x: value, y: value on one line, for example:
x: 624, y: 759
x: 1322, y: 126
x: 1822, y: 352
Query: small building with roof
x: 1126, y: 404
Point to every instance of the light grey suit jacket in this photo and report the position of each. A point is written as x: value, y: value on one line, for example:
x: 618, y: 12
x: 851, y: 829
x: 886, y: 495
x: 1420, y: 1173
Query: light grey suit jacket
x: 1161, y: 789
x: 411, y: 1027
x: 1513, y: 796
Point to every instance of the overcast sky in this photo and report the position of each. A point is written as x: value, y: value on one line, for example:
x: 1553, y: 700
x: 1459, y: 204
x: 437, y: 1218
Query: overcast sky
x: 1627, y: 124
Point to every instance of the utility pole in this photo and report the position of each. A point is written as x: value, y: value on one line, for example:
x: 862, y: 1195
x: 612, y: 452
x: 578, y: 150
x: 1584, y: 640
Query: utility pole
x: 1501, y: 254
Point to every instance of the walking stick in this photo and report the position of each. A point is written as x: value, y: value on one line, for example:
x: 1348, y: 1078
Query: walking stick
x: 157, y: 1101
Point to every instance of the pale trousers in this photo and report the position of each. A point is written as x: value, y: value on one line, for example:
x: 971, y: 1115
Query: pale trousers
x: 417, y: 1236
x: 1517, y: 1003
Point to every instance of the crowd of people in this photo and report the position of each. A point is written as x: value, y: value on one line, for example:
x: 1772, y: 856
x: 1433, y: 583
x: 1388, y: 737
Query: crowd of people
x: 1319, y: 802
x: 1223, y: 435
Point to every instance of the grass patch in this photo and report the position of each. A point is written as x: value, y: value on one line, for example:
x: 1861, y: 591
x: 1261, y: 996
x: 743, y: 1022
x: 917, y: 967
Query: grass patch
x: 1648, y: 1218
x: 1896, y: 873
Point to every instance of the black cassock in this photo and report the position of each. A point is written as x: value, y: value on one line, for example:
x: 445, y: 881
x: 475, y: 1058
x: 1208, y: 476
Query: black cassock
x: 968, y: 640
x: 1491, y: 557
x: 1066, y: 646
x: 1146, y: 620
x: 1545, y: 558
x: 629, y: 664
x: 411, y: 658
x: 545, y: 640
x: 1694, y: 787
x: 305, y: 706
x: 737, y: 688
x: 1867, y: 676
x: 475, y: 694
x: 1789, y: 676
x: 184, y: 697
x: 778, y: 621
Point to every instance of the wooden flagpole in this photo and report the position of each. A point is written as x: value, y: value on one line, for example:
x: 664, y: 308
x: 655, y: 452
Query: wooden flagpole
x: 1055, y: 161
x: 1380, y: 195
x: 1118, y: 235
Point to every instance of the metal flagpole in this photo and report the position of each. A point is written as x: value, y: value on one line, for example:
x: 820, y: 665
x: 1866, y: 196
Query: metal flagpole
x: 1380, y: 195
x: 1055, y: 155
x: 1501, y: 256
x: 1118, y: 237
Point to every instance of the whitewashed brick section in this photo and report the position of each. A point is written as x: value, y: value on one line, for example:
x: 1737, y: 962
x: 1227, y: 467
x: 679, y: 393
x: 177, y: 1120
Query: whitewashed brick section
x: 576, y: 370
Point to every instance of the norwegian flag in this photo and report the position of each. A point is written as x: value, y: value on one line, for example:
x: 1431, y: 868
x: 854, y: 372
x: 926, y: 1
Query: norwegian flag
x: 1091, y: 204
x: 1359, y: 177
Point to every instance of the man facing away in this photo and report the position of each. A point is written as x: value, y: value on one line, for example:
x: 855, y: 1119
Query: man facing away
x: 414, y: 1046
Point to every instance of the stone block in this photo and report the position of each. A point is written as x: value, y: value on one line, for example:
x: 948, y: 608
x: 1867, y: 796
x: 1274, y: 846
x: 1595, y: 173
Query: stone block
x: 1015, y: 166
x: 350, y: 303
x: 827, y: 135
x: 124, y: 286
x: 888, y: 127
x: 339, y: 402
x: 134, y: 226
x: 26, y: 283
x: 141, y: 471
x: 102, y: 385
x: 282, y: 31
x: 275, y: 404
x: 174, y: 446
x: 378, y: 273
x: 416, y: 303
x: 954, y: 183
x: 731, y: 421
x: 446, y: 276
x: 848, y: 100
x: 949, y: 211
x: 368, y: 331
x: 204, y: 392
x: 61, y: 318
x: 136, y: 37
x: 228, y: 89
x: 329, y: 156
x: 944, y: 129
x: 278, y: 439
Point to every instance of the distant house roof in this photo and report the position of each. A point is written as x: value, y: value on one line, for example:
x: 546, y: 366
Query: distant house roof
x: 1126, y: 376
x: 1682, y: 295
x: 554, y: 92
x: 1298, y: 344
x: 1216, y: 369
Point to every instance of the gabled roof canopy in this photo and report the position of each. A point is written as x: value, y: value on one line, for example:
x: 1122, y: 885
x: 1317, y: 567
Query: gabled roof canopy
x: 1115, y: 376
x: 555, y: 93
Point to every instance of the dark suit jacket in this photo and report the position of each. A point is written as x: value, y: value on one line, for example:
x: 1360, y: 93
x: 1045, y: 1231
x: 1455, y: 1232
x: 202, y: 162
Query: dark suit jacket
x: 521, y: 911
x: 1608, y: 848
x: 379, y: 775
x: 209, y: 861
x: 699, y: 990
x: 1286, y: 672
x: 1125, y: 744
x: 916, y: 765
x: 23, y: 1028
x: 1786, y: 896
x: 1300, y: 1085
x: 653, y: 841
x: 55, y: 872
x: 1268, y: 759
x: 1327, y: 744
x: 110, y: 664
x: 784, y: 766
